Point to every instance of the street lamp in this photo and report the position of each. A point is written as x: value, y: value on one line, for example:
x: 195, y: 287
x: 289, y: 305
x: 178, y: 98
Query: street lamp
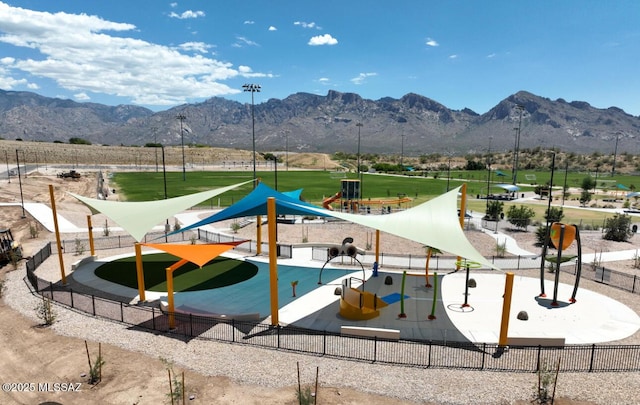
x: 359, y: 125
x: 286, y: 148
x: 253, y: 88
x: 182, y: 117
x: 517, y: 148
x: 615, y: 154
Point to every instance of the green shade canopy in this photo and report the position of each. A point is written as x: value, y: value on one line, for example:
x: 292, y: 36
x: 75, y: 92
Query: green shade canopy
x: 138, y: 218
x: 434, y: 223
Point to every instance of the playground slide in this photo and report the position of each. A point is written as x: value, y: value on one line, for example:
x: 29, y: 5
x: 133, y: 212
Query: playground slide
x: 326, y: 203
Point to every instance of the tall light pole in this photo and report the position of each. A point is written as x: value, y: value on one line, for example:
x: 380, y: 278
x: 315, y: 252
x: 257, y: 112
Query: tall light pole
x: 167, y: 228
x: 359, y: 125
x: 253, y: 88
x: 20, y: 181
x: 517, y: 149
x: 182, y: 117
x: 402, y: 151
x: 488, y: 173
x: 615, y: 154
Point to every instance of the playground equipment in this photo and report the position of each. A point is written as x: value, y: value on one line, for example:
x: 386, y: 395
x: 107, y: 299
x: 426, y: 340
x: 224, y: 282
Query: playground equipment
x: 359, y: 305
x: 326, y: 203
x: 10, y: 250
x: 346, y: 249
x: 562, y: 236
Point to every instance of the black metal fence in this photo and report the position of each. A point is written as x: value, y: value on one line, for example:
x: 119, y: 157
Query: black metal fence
x: 613, y: 278
x: 428, y: 354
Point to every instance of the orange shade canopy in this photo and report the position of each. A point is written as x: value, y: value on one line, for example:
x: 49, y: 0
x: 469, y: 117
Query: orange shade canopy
x: 197, y: 254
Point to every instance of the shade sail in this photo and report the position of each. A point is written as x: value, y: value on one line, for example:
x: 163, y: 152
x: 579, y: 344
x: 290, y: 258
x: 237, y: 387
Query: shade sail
x: 434, y: 223
x: 196, y: 254
x: 255, y: 203
x: 138, y: 218
x: 508, y: 187
x: 633, y: 194
x: 621, y: 186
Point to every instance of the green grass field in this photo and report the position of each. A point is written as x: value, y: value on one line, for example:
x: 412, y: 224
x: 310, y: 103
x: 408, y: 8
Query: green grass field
x: 145, y: 186
x: 219, y: 272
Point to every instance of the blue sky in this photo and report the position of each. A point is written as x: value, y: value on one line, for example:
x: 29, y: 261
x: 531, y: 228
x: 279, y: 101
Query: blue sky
x: 460, y: 53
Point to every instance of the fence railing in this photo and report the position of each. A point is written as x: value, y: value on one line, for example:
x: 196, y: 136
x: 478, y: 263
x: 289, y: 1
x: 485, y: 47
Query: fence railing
x: 417, y: 353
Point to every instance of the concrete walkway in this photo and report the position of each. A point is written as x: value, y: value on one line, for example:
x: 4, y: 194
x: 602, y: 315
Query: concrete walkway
x: 594, y: 318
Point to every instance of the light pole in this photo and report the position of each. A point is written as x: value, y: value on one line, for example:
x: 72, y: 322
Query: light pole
x: 488, y: 173
x: 448, y: 173
x: 182, y: 117
x: 6, y: 157
x: 167, y: 228
x: 615, y: 154
x: 253, y: 88
x: 20, y: 181
x: 517, y: 149
x: 359, y: 125
x: 402, y: 151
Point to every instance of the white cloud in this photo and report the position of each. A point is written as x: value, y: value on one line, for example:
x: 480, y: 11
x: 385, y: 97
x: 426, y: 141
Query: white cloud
x: 195, y: 47
x: 272, y: 28
x: 310, y: 25
x: 325, y: 39
x: 77, y: 52
x: 362, y: 77
x: 491, y: 55
x: 323, y: 79
x: 454, y: 56
x: 82, y: 96
x: 432, y: 42
x: 249, y: 22
x: 187, y: 14
x: 241, y: 41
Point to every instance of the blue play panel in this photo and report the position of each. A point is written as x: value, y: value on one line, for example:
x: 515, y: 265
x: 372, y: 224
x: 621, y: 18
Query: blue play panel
x: 393, y: 298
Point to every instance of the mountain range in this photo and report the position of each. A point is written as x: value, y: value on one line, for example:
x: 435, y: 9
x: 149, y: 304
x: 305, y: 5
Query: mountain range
x: 412, y: 125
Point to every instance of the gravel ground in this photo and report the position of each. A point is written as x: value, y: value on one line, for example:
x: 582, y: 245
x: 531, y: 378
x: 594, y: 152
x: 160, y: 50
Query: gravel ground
x: 247, y: 364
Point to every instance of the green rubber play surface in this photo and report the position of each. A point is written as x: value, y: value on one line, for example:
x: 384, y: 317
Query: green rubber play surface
x: 219, y: 272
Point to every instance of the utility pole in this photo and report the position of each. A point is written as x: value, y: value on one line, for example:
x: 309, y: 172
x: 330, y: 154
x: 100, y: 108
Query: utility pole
x: 517, y: 149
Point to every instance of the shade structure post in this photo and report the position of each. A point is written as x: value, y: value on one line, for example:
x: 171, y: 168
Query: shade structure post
x: 140, y: 272
x: 63, y: 276
x: 92, y: 248
x: 506, y: 310
x: 273, y: 259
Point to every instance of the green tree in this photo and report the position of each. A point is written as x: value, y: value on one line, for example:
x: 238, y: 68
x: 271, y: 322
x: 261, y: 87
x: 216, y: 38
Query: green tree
x: 554, y: 214
x: 618, y: 228
x: 79, y: 141
x: 520, y: 217
x: 494, y: 209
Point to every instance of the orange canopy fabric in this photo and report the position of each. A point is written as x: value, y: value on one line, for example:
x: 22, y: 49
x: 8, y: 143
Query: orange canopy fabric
x: 196, y: 254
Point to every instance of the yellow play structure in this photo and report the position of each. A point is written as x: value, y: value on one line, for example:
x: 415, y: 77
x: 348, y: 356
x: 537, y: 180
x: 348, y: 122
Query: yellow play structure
x: 359, y: 305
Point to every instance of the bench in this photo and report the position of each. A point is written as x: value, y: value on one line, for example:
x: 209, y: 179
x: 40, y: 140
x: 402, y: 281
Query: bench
x: 391, y: 334
x: 536, y: 341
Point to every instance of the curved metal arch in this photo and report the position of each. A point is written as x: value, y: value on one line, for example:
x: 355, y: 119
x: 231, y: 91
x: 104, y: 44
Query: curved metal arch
x: 354, y: 258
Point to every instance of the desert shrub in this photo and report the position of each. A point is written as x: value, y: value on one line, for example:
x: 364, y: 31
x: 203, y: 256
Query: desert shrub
x: 618, y: 228
x: 45, y: 312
